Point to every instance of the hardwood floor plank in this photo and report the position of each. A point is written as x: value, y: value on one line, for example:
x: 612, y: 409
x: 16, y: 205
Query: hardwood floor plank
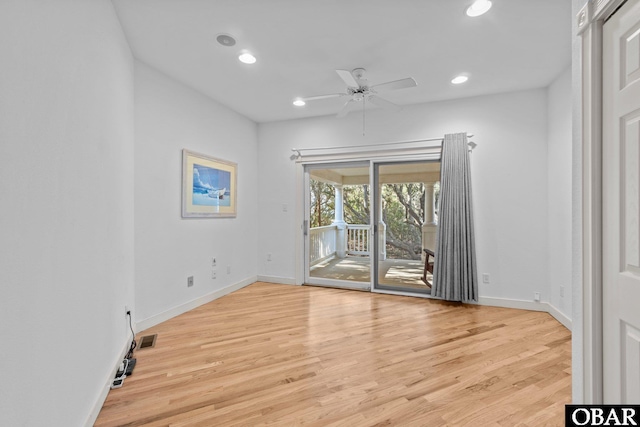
x: 279, y: 355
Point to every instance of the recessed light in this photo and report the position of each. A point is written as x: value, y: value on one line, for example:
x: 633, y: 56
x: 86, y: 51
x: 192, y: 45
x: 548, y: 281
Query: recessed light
x: 479, y: 7
x: 247, y: 58
x: 459, y: 80
x: 226, y: 39
x: 299, y: 103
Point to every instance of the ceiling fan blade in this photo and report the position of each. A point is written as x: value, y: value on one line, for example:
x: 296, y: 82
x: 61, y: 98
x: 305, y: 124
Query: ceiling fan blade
x: 347, y: 108
x: 315, y: 98
x: 381, y: 102
x: 396, y: 84
x: 348, y: 78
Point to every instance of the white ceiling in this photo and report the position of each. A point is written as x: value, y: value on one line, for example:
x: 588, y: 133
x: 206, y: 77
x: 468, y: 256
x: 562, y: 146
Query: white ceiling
x: 517, y: 45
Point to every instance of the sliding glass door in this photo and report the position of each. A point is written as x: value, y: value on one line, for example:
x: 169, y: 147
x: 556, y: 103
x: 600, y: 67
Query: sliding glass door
x: 337, y: 225
x: 405, y: 218
x: 371, y: 225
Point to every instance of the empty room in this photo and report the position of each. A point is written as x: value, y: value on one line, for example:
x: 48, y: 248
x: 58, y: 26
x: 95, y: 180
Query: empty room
x: 329, y: 213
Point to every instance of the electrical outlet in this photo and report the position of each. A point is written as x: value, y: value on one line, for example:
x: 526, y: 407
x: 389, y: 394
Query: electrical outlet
x: 285, y: 207
x: 213, y: 274
x: 268, y: 257
x: 126, y: 310
x: 189, y: 281
x: 228, y: 269
x: 536, y: 296
x: 485, y: 277
x: 214, y: 262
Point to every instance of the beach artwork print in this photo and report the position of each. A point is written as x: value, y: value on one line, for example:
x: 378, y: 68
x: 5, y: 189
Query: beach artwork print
x: 208, y: 186
x: 211, y: 187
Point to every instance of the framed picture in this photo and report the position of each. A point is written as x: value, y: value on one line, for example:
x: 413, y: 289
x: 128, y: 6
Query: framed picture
x: 208, y: 186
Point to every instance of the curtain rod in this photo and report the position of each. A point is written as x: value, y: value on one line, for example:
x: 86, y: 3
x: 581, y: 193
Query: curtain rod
x: 298, y: 153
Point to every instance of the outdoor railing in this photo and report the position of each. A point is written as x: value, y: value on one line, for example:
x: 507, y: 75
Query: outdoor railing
x: 322, y: 243
x: 358, y: 239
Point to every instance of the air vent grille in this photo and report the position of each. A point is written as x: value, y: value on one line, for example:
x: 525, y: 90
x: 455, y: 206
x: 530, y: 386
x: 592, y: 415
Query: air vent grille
x: 147, y: 341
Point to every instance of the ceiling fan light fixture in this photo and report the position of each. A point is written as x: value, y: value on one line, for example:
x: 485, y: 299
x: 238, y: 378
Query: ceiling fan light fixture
x: 459, y: 79
x: 479, y: 7
x: 247, y: 58
x: 299, y: 103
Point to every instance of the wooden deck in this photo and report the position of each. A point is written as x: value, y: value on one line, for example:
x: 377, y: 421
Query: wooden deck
x: 391, y: 272
x: 283, y: 355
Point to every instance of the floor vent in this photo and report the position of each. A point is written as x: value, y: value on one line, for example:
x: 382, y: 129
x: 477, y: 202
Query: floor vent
x: 147, y: 341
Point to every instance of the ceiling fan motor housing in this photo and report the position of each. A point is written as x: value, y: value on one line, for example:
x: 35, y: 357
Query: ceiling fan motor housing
x: 360, y: 92
x: 358, y: 73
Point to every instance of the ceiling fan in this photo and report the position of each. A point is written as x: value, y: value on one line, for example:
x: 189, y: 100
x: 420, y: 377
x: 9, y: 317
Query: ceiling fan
x: 359, y: 90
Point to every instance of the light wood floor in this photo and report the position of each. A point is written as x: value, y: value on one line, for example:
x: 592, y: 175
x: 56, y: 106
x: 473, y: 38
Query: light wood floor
x: 287, y: 356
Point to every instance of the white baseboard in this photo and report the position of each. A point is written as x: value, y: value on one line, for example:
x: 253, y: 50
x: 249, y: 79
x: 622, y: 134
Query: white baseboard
x: 97, y: 407
x: 278, y: 280
x: 190, y: 305
x: 527, y: 305
x: 560, y: 316
x: 514, y: 303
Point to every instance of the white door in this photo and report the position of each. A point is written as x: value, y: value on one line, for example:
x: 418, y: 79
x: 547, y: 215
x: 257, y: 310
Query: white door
x: 621, y: 205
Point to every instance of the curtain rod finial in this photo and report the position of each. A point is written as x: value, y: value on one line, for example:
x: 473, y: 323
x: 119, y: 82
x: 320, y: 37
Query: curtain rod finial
x: 296, y: 154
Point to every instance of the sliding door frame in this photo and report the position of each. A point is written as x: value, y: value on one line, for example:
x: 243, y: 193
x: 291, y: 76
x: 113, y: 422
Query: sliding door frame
x: 320, y: 281
x: 431, y: 152
x: 375, y: 196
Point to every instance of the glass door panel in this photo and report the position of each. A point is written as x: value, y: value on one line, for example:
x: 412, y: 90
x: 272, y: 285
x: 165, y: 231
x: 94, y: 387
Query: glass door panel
x: 406, y: 223
x: 337, y: 226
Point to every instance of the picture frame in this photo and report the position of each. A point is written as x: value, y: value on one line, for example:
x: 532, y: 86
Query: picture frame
x: 209, y: 186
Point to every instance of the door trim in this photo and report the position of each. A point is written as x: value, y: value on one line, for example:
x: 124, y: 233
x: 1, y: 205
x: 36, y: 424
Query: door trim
x: 590, y: 21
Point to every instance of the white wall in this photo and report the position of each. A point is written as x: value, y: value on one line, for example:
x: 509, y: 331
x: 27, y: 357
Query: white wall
x: 509, y: 172
x: 559, y: 188
x: 66, y: 229
x: 168, y: 248
x: 68, y: 185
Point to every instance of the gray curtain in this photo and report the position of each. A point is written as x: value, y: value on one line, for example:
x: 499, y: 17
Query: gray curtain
x: 454, y: 270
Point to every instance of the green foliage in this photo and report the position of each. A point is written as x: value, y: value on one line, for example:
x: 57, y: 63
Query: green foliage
x: 322, y: 209
x: 403, y: 212
x: 356, y: 204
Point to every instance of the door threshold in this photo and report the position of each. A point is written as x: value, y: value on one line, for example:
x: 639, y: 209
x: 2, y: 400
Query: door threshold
x: 403, y: 293
x: 346, y: 288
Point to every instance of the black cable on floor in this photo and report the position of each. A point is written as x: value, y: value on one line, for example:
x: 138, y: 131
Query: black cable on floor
x: 133, y: 342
